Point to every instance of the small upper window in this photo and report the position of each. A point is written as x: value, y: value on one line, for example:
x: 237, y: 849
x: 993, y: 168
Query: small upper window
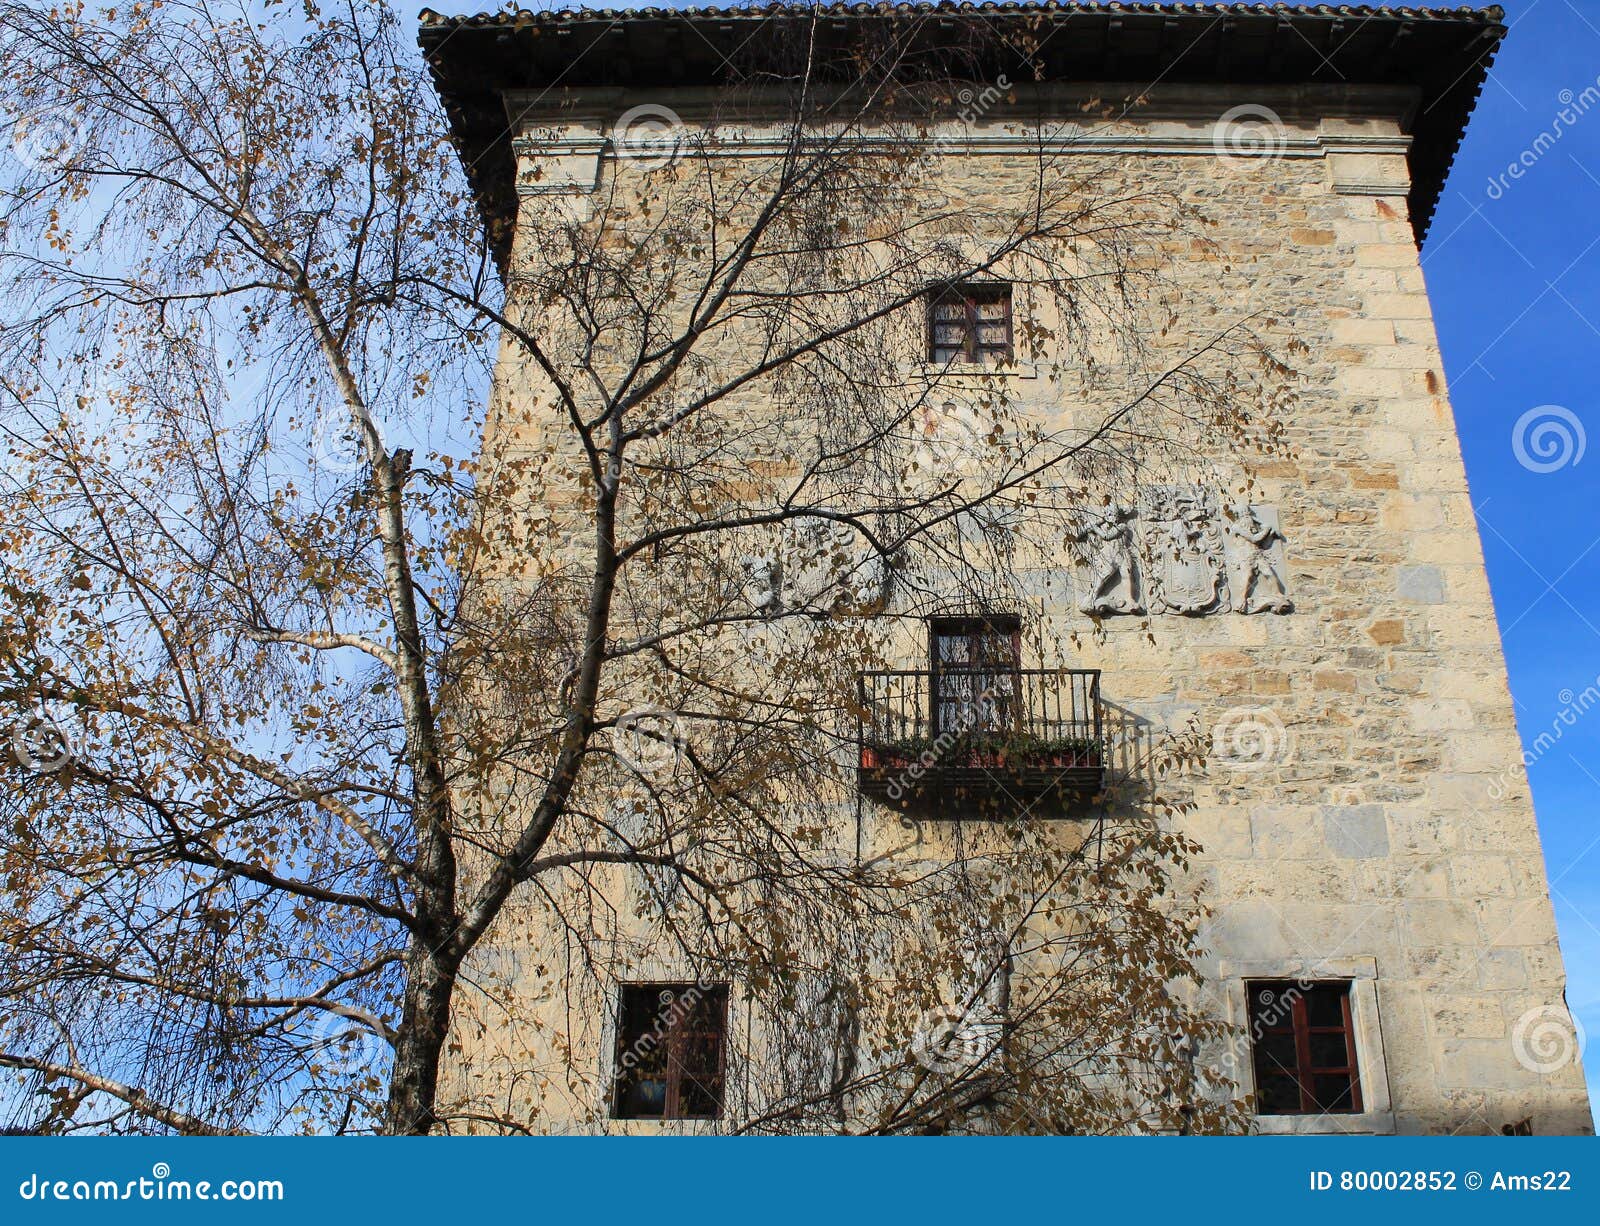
x: 1304, y: 1048
x: 670, y: 1060
x: 970, y: 323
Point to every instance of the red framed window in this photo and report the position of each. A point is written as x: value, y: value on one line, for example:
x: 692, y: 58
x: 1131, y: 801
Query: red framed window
x: 970, y: 323
x: 1304, y: 1047
x: 976, y: 663
x: 670, y: 1057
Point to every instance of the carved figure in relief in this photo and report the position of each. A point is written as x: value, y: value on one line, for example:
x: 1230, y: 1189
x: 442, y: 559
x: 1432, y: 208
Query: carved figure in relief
x: 1260, y: 573
x: 763, y: 583
x: 1108, y: 574
x: 817, y: 565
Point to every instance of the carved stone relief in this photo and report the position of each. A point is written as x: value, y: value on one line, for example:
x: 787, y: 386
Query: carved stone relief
x: 817, y: 565
x: 1184, y: 552
x: 1177, y: 553
x: 1106, y: 566
x: 763, y: 582
x: 1181, y: 554
x: 1255, y: 561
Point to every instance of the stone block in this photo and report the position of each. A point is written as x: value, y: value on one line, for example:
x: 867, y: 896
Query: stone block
x: 1355, y: 832
x: 1420, y: 584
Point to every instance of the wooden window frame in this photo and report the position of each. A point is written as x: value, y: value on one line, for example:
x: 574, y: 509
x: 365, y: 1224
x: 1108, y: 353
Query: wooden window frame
x: 1305, y: 1072
x: 974, y: 626
x: 675, y: 1037
x: 971, y: 296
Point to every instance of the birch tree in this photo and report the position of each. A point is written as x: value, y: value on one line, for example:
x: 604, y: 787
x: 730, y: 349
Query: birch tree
x: 321, y: 661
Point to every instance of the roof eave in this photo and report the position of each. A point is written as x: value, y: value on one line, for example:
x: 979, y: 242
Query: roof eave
x: 1445, y: 53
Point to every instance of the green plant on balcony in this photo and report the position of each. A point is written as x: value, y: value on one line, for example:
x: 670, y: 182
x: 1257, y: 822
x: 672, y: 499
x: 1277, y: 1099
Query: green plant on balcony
x: 1015, y: 748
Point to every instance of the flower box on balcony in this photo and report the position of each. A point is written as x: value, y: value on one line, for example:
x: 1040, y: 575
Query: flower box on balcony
x: 981, y: 744
x: 1019, y: 751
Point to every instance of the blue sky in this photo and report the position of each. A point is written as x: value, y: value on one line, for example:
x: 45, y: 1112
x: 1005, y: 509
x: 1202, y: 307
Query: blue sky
x: 1514, y: 273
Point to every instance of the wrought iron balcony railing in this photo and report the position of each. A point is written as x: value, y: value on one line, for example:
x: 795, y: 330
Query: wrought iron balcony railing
x: 981, y: 741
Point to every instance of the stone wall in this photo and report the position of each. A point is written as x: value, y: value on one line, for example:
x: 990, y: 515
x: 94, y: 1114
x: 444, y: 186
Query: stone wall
x: 1367, y: 816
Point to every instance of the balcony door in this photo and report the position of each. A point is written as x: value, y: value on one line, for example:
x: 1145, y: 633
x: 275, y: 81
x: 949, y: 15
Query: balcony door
x: 976, y: 667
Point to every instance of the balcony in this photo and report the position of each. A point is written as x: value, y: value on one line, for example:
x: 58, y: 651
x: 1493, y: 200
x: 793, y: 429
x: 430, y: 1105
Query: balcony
x: 981, y: 743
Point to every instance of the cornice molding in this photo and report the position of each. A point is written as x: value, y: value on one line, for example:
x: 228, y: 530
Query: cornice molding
x: 551, y: 162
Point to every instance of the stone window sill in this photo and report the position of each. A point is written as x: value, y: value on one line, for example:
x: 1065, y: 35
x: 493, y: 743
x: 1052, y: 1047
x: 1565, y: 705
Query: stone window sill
x: 1366, y: 1123
x: 976, y: 370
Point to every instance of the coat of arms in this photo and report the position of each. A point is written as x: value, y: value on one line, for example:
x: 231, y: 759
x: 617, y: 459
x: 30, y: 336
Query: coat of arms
x: 1186, y: 569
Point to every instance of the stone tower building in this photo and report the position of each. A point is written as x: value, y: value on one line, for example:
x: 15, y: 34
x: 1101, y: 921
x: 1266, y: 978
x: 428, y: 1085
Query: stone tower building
x: 1380, y: 931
